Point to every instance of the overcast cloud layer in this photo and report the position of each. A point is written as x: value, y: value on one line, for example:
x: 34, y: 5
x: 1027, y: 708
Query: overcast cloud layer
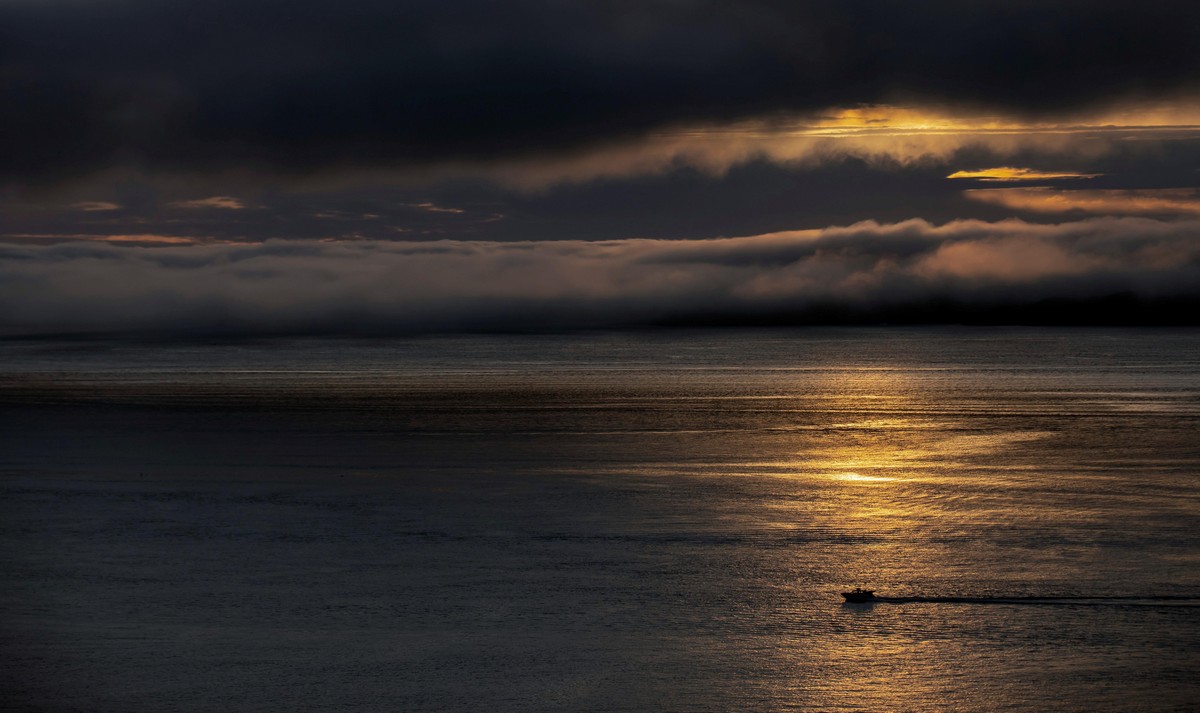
x: 305, y: 85
x: 391, y: 166
x: 290, y: 286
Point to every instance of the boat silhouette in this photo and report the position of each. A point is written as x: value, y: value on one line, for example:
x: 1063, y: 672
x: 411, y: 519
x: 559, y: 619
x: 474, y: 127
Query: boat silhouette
x: 858, y: 595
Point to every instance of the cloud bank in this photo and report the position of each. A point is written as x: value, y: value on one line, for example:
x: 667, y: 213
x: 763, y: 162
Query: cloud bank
x: 387, y: 287
x: 896, y: 137
x: 311, y: 85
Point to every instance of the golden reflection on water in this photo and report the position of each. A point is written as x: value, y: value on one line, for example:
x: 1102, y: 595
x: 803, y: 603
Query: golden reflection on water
x: 859, y: 478
x: 895, y: 483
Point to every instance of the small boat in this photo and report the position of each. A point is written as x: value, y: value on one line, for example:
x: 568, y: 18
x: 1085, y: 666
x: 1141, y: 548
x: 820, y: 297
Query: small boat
x: 858, y: 594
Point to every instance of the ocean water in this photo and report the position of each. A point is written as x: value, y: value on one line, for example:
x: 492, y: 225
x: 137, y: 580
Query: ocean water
x: 644, y: 521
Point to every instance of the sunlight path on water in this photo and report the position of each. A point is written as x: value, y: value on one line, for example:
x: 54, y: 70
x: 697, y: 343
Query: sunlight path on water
x: 631, y: 523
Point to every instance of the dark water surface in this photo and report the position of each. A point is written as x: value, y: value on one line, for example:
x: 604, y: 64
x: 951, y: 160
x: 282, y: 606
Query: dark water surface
x: 605, y: 522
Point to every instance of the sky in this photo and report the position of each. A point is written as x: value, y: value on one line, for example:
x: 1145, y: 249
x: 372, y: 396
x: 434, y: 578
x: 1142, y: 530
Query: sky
x: 259, y: 166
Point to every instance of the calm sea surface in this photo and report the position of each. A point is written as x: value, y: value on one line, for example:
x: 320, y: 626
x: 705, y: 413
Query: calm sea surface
x: 656, y: 521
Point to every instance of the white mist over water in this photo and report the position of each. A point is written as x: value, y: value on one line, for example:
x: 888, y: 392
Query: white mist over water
x: 626, y: 521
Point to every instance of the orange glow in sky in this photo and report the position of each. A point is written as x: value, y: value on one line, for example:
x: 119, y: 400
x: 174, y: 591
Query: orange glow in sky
x: 1180, y: 201
x: 1008, y: 173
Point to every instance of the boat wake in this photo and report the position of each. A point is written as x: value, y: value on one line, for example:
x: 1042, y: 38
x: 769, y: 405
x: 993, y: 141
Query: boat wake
x: 1131, y: 600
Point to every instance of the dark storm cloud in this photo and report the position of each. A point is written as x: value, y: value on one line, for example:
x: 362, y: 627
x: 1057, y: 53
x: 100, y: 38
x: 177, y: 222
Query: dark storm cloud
x: 187, y: 85
x: 391, y: 287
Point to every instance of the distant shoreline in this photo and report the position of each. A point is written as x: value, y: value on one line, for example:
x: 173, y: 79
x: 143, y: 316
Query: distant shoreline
x: 1111, y: 311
